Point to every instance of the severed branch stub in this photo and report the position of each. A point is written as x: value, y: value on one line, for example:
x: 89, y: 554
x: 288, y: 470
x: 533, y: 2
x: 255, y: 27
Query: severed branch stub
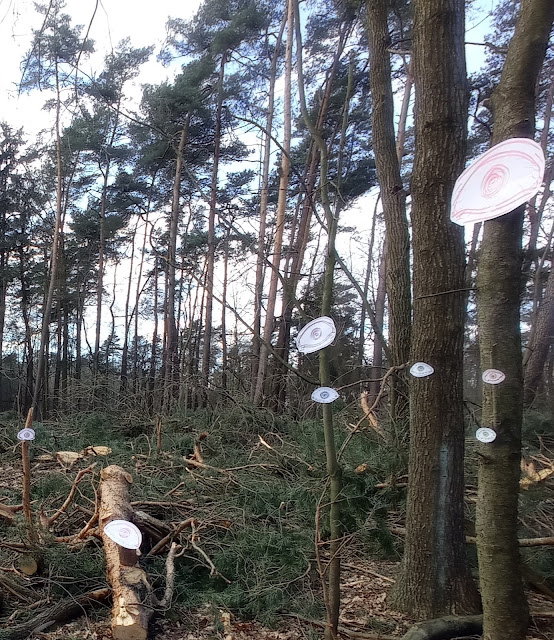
x: 133, y: 599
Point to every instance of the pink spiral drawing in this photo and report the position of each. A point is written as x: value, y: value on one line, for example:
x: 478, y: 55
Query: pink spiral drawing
x: 494, y: 180
x: 316, y: 333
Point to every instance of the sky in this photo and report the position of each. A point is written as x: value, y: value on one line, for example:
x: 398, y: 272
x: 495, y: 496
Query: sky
x: 141, y: 20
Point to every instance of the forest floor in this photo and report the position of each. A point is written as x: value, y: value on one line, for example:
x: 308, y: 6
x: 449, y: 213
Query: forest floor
x: 254, y: 500
x: 364, y: 616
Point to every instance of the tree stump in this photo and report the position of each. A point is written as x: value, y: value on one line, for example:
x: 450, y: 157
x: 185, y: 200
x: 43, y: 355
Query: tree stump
x: 132, y: 593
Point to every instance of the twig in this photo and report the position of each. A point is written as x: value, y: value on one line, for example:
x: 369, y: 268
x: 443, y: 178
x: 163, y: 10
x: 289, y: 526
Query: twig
x: 93, y: 519
x: 342, y: 630
x: 165, y: 602
x: 159, y: 433
x: 31, y: 607
x: 169, y: 493
x: 322, y: 572
x: 26, y: 494
x: 284, y: 455
x: 370, y: 409
x: 161, y: 544
x: 213, y: 570
x: 48, y: 521
x: 368, y: 571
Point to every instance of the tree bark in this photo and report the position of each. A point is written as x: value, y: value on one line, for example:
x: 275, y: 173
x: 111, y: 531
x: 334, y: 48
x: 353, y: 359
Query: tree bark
x: 435, y: 578
x: 132, y: 593
x: 505, y: 612
x: 393, y: 196
x: 543, y: 339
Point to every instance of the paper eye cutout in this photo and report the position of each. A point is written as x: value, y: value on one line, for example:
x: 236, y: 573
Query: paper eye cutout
x: 493, y: 376
x: 324, y: 395
x: 26, y: 434
x: 124, y: 533
x: 316, y: 335
x: 421, y: 370
x: 484, y: 434
x: 497, y: 182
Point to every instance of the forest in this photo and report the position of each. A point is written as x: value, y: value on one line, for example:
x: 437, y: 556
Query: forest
x: 271, y: 364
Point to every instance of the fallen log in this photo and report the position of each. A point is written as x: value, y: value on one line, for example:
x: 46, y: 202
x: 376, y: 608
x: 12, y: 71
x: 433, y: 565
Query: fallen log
x: 61, y: 612
x: 133, y: 600
x: 446, y: 628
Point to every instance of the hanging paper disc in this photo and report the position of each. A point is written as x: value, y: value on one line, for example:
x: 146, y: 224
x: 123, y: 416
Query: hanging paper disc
x: 324, y: 395
x: 421, y: 370
x: 497, y: 182
x: 26, y: 434
x: 493, y: 376
x: 484, y: 434
x: 316, y: 335
x: 124, y: 533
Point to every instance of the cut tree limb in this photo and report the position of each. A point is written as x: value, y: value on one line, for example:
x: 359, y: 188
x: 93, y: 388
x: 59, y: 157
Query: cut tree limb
x: 132, y: 594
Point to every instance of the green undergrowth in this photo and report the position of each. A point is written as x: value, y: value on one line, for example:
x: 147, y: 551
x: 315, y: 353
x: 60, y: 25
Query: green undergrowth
x: 254, y: 501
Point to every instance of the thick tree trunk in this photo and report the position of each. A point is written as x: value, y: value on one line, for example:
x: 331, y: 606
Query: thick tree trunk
x: 505, y: 613
x: 435, y: 578
x: 132, y: 593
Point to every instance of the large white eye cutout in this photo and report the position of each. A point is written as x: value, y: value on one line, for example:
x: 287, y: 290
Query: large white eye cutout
x: 124, y: 533
x: 324, y: 395
x: 26, y: 434
x: 501, y: 179
x: 484, y: 434
x: 421, y: 370
x: 316, y: 335
x: 493, y: 376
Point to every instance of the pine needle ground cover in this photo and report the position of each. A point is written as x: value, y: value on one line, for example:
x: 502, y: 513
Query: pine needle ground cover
x: 252, y: 483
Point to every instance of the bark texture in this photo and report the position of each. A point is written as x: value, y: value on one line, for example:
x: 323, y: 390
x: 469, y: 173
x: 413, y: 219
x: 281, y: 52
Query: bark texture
x: 393, y: 196
x: 543, y: 339
x: 132, y: 594
x: 435, y: 578
x: 505, y: 613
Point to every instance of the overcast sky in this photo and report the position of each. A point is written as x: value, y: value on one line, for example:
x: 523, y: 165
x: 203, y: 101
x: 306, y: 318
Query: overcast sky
x: 141, y: 20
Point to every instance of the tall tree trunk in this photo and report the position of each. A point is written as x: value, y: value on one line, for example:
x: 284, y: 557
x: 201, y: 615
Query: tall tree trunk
x: 435, y: 579
x: 41, y: 378
x: 124, y: 371
x: 380, y: 299
x: 224, y: 350
x: 543, y: 339
x: 27, y: 399
x: 210, y: 265
x: 334, y: 472
x: 505, y: 613
x: 280, y: 216
x: 264, y: 195
x: 151, y: 384
x: 171, y: 357
x: 300, y: 232
x: 393, y: 196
